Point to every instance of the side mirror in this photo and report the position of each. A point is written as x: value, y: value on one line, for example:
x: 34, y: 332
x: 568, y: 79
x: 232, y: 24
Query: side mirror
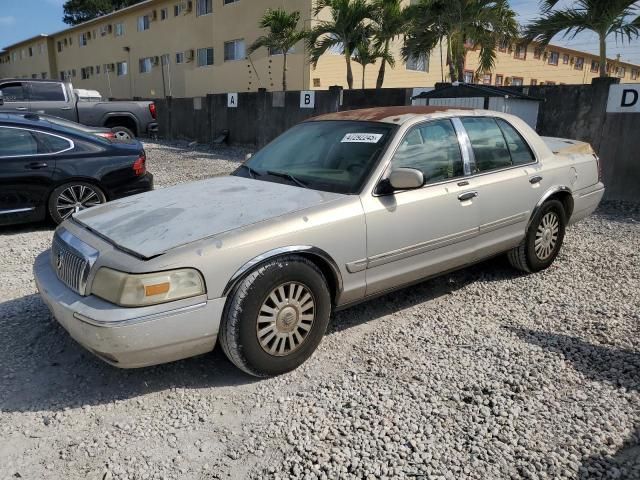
x: 248, y: 156
x: 406, y: 179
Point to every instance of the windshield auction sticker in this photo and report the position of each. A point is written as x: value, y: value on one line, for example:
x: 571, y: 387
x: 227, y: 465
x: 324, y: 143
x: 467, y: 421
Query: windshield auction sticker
x: 362, y: 138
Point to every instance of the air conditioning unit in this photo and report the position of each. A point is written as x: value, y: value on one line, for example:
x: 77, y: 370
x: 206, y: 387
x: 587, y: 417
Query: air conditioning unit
x: 190, y: 54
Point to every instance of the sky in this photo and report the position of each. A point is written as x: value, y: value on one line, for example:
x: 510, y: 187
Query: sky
x: 21, y: 19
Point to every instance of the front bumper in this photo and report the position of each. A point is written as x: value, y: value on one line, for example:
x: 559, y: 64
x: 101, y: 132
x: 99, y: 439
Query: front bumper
x: 131, y: 337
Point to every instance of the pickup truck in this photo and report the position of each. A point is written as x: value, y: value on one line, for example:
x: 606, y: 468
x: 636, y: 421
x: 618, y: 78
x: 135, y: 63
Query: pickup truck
x: 127, y: 119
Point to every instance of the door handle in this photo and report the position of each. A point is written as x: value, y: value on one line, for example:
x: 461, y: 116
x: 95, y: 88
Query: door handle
x: 21, y: 108
x: 463, y: 197
x: 36, y: 165
x: 536, y: 179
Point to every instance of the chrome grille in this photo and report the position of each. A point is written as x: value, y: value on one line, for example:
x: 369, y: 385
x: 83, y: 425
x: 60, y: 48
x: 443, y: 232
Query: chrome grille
x: 72, y: 260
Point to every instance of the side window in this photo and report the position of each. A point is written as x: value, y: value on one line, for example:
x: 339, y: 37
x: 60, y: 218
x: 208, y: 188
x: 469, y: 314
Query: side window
x: 17, y: 142
x: 12, y: 92
x: 51, y: 143
x: 47, y: 92
x: 520, y: 151
x: 432, y: 148
x: 489, y: 146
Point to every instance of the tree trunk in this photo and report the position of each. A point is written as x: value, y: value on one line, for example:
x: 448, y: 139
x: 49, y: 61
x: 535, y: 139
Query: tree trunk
x: 363, y: 72
x: 284, y: 72
x: 460, y: 64
x: 347, y: 57
x: 450, y: 64
x: 383, y: 66
x: 603, y: 55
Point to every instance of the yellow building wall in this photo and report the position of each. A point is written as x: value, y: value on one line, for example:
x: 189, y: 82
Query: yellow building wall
x: 18, y: 63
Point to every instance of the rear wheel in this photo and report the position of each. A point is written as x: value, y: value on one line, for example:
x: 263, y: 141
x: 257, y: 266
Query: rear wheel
x: 73, y: 197
x: 543, y: 241
x: 122, y: 133
x: 276, y: 317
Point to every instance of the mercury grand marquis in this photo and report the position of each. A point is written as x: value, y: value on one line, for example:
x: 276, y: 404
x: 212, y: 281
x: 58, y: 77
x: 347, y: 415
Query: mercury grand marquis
x: 339, y: 209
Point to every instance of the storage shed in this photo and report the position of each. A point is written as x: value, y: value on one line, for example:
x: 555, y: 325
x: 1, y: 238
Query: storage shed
x: 483, y: 97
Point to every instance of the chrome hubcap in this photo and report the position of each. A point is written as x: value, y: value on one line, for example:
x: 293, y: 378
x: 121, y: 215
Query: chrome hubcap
x: 547, y: 236
x: 120, y: 135
x: 76, y: 198
x: 285, y: 319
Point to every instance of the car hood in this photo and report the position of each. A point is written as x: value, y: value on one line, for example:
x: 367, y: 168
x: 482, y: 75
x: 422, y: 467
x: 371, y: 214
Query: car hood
x: 154, y: 222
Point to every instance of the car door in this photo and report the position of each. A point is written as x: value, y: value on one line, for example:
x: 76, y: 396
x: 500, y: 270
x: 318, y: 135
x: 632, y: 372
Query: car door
x: 506, y: 177
x: 413, y: 234
x: 51, y: 98
x: 14, y: 95
x: 26, y: 172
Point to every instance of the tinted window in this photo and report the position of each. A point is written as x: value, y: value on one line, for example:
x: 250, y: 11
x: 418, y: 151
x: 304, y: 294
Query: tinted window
x: 489, y: 146
x: 50, y: 143
x: 12, y: 92
x: 518, y: 148
x: 433, y: 148
x: 334, y: 156
x: 47, y: 92
x: 15, y: 141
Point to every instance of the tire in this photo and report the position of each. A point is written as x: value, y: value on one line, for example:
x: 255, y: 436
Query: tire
x: 244, y: 332
x: 543, y: 240
x: 73, y: 197
x: 123, y: 133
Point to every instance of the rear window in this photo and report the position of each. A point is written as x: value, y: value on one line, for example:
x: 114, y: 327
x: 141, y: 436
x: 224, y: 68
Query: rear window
x: 47, y: 92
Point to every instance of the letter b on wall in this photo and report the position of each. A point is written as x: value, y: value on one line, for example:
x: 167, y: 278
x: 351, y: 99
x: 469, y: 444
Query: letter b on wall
x: 624, y: 99
x: 307, y: 99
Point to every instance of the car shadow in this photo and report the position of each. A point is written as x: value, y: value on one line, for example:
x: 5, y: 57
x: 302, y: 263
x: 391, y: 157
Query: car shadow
x: 618, y: 367
x: 43, y: 368
x: 20, y: 228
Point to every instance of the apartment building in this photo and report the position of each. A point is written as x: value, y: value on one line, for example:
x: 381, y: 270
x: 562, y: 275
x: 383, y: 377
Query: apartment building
x: 190, y: 48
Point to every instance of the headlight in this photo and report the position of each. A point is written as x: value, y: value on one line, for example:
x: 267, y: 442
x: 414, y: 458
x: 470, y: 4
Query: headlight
x: 138, y: 290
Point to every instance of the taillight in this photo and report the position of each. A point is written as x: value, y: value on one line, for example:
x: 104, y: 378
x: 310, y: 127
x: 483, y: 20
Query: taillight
x: 107, y: 135
x: 140, y: 165
x: 152, y: 110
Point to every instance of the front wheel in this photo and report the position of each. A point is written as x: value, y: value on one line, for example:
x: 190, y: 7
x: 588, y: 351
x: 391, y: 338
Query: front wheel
x: 542, y: 243
x: 276, y: 317
x: 73, y: 197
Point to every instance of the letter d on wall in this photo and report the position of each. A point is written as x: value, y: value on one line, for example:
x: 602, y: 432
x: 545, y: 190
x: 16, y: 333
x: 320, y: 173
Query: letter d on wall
x: 307, y: 99
x: 624, y: 99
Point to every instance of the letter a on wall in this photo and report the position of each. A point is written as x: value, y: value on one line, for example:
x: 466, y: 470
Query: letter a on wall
x: 307, y: 99
x: 232, y: 100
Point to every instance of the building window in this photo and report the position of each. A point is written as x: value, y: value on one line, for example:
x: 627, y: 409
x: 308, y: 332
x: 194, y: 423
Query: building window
x: 121, y: 69
x: 145, y: 65
x: 418, y: 63
x: 517, y: 81
x: 553, y: 58
x: 143, y: 23
x: 164, y: 13
x: 177, y: 9
x: 468, y: 76
x: 499, y: 80
x: 635, y: 74
x: 228, y: 2
x: 565, y: 59
x: 486, y: 79
x: 595, y: 65
x: 119, y: 29
x: 278, y: 51
x: 30, y: 51
x: 620, y: 72
x: 537, y: 52
x: 520, y: 52
x: 97, y: 69
x: 180, y: 57
x: 82, y: 39
x: 316, y: 82
x: 234, y: 50
x: 503, y: 45
x: 84, y: 73
x: 59, y: 47
x: 579, y: 65
x: 203, y: 7
x: 533, y: 82
x: 205, y: 57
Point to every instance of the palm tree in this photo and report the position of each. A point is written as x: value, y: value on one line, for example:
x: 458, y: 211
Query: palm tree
x: 604, y: 17
x: 464, y: 25
x: 348, y: 27
x: 282, y: 37
x: 389, y: 24
x: 366, y: 54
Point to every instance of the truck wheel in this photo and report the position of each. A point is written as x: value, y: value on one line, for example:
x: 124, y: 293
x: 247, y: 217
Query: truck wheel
x: 123, y: 133
x: 73, y: 197
x: 275, y: 319
x: 542, y: 243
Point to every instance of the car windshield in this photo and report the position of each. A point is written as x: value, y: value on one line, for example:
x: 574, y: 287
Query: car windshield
x: 334, y: 156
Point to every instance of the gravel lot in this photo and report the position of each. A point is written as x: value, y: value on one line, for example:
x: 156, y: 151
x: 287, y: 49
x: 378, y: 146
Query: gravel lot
x: 482, y: 374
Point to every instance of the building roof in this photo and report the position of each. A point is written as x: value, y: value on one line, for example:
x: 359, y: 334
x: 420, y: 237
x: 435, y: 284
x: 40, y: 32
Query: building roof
x: 397, y: 115
x: 22, y: 42
x: 458, y: 90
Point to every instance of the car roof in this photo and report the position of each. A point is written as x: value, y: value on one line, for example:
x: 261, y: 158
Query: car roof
x: 396, y: 115
x: 31, y: 120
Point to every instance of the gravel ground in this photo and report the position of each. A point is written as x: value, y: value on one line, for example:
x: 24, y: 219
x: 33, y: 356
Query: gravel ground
x: 480, y: 374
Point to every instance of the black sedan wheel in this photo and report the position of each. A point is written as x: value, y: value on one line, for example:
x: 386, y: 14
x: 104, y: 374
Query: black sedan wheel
x: 73, y: 197
x: 276, y: 317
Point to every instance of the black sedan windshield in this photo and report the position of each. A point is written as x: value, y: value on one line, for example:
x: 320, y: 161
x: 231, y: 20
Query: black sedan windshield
x: 334, y: 156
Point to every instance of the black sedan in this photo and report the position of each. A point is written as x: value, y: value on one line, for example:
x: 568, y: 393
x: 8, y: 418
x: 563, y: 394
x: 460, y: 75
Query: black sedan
x: 52, y: 169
